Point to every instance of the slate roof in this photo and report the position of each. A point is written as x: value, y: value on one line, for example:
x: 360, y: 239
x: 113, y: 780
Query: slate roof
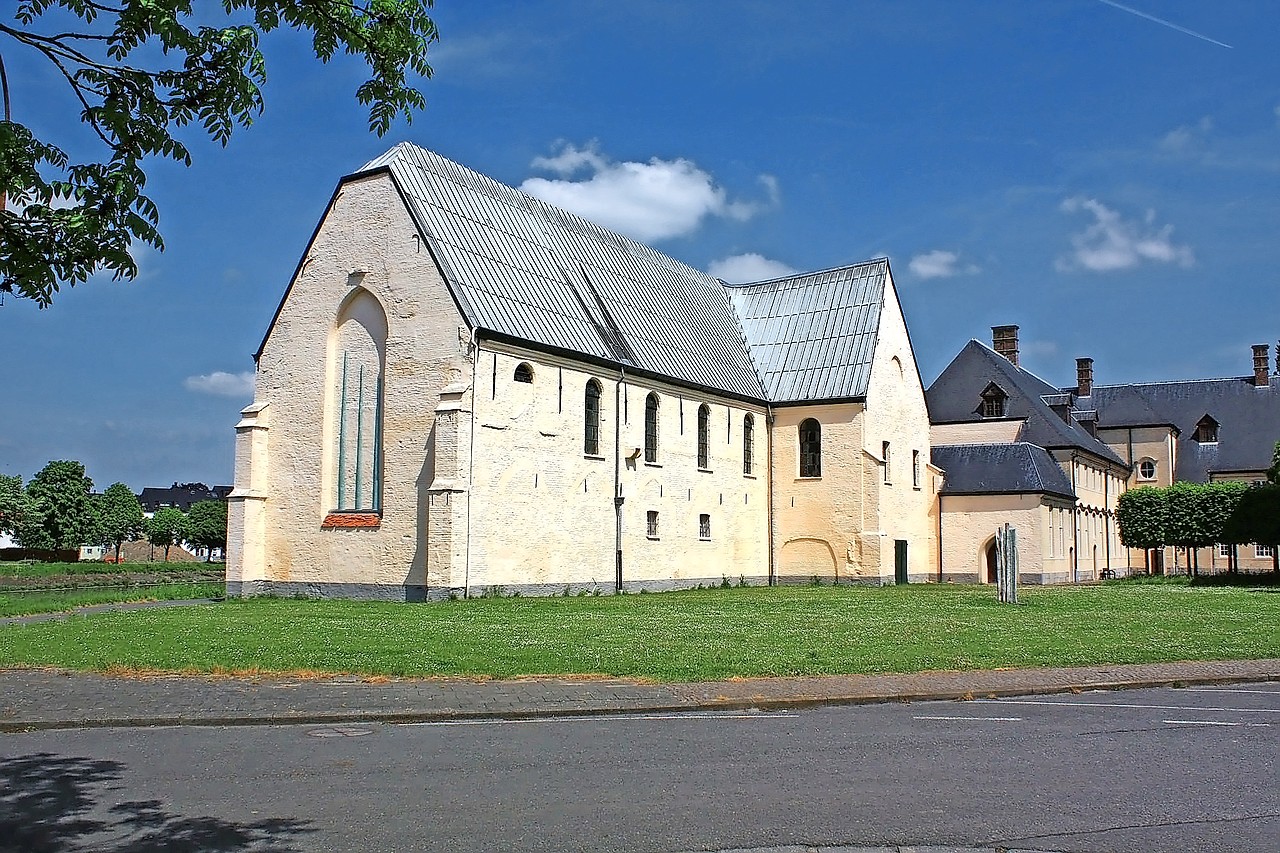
x: 813, y: 336
x: 988, y: 469
x: 522, y: 268
x: 1248, y: 419
x: 955, y: 397
x: 181, y: 496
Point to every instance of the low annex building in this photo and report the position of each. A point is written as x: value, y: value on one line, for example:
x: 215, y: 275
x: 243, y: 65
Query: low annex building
x: 465, y: 389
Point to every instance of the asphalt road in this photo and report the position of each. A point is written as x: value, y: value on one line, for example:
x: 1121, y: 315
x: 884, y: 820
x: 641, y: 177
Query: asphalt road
x: 1142, y: 770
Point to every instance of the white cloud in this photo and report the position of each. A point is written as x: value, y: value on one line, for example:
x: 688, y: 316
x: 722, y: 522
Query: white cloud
x: 748, y: 267
x: 649, y: 201
x: 939, y: 263
x: 222, y: 384
x: 1114, y: 243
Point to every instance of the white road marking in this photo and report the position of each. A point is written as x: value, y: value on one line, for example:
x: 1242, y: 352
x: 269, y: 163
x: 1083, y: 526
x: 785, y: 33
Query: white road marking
x: 973, y: 719
x: 599, y: 717
x: 1231, y: 690
x: 1129, y: 705
x: 1214, y: 723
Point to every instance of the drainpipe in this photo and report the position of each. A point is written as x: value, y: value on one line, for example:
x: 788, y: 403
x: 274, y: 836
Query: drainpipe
x: 1106, y: 513
x: 769, y: 507
x: 471, y: 463
x: 618, y: 499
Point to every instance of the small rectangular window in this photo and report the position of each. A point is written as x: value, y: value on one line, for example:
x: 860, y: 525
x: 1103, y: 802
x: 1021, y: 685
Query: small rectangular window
x: 1264, y: 550
x: 1224, y: 550
x: 652, y: 519
x: 704, y: 526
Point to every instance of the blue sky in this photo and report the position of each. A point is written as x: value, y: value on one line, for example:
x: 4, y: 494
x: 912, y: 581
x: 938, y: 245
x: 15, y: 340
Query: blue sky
x: 1106, y: 176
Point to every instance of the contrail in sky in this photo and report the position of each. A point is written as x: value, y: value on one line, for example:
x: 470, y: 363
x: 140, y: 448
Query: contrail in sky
x: 1164, y: 23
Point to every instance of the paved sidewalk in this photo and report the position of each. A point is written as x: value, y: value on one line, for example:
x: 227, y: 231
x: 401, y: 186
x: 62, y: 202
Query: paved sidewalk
x: 32, y: 699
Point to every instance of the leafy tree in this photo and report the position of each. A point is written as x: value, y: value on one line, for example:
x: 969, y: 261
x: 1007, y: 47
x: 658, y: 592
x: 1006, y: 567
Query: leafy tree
x: 59, y: 494
x: 1273, y: 473
x: 14, y: 506
x: 1257, y: 519
x: 119, y: 516
x: 142, y: 70
x: 167, y: 528
x: 1143, y: 516
x: 208, y: 520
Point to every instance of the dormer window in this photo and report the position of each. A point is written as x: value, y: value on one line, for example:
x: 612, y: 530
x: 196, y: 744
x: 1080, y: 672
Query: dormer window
x: 993, y: 399
x: 1207, y: 431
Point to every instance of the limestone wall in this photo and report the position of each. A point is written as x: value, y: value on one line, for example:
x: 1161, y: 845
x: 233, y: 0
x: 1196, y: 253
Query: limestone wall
x: 969, y: 524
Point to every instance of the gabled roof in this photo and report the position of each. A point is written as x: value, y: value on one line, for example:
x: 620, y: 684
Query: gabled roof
x: 955, y: 397
x: 1000, y: 469
x: 813, y: 336
x: 1248, y: 418
x: 521, y: 268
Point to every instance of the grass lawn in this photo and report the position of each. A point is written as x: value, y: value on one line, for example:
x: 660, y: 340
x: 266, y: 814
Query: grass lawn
x: 43, y: 601
x: 700, y: 634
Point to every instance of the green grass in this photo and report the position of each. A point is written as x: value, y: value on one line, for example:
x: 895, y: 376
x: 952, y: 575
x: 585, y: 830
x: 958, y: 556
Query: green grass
x: 42, y: 570
x: 41, y: 601
x: 704, y: 634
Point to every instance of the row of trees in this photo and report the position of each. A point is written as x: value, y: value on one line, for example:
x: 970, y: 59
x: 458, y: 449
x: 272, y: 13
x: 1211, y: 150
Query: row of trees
x: 1197, y: 515
x: 58, y: 510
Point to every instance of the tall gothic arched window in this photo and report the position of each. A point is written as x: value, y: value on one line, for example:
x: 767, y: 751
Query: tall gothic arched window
x: 810, y: 448
x: 651, y: 428
x: 704, y: 436
x: 748, y: 443
x: 357, y: 353
x: 591, y: 419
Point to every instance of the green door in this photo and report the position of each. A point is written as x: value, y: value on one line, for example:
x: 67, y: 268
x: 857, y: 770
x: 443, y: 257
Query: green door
x: 900, y: 561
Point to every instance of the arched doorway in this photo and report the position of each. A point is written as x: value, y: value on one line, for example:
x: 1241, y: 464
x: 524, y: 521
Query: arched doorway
x: 991, y: 573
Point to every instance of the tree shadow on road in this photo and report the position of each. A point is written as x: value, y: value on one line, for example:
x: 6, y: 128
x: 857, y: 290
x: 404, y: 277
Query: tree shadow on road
x: 48, y: 804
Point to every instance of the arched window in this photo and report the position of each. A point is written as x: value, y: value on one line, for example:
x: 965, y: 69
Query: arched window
x: 1147, y: 469
x: 651, y: 428
x: 748, y: 443
x: 704, y: 436
x: 810, y: 448
x: 591, y: 420
x: 524, y: 373
x: 357, y: 352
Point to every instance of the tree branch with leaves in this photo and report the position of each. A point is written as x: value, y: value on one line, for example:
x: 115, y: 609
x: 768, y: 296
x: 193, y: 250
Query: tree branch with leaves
x: 62, y: 221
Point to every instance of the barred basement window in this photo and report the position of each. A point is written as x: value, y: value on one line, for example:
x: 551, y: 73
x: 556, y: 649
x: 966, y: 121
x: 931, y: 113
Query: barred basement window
x: 704, y: 526
x: 748, y: 443
x: 524, y: 373
x: 704, y: 440
x: 810, y: 448
x: 591, y: 420
x: 651, y: 428
x: 652, y: 521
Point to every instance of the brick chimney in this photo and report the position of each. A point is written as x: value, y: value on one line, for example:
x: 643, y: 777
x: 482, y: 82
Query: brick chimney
x: 1084, y: 377
x: 1260, y: 377
x: 1004, y: 340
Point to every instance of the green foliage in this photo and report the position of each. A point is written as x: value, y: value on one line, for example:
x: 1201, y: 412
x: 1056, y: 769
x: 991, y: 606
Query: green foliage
x: 167, y: 528
x: 208, y: 526
x: 1143, y: 516
x: 59, y: 494
x: 143, y: 70
x: 1257, y: 517
x: 1273, y: 473
x: 15, y: 507
x: 119, y: 516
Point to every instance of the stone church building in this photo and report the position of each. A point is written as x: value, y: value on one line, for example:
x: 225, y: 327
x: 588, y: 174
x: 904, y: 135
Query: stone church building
x: 465, y: 389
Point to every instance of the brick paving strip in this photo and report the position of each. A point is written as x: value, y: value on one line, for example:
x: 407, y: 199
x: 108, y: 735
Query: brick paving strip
x: 39, y: 699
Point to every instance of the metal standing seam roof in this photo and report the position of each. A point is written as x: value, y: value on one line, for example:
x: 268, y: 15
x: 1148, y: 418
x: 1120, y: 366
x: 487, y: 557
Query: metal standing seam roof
x: 813, y: 336
x: 520, y: 267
